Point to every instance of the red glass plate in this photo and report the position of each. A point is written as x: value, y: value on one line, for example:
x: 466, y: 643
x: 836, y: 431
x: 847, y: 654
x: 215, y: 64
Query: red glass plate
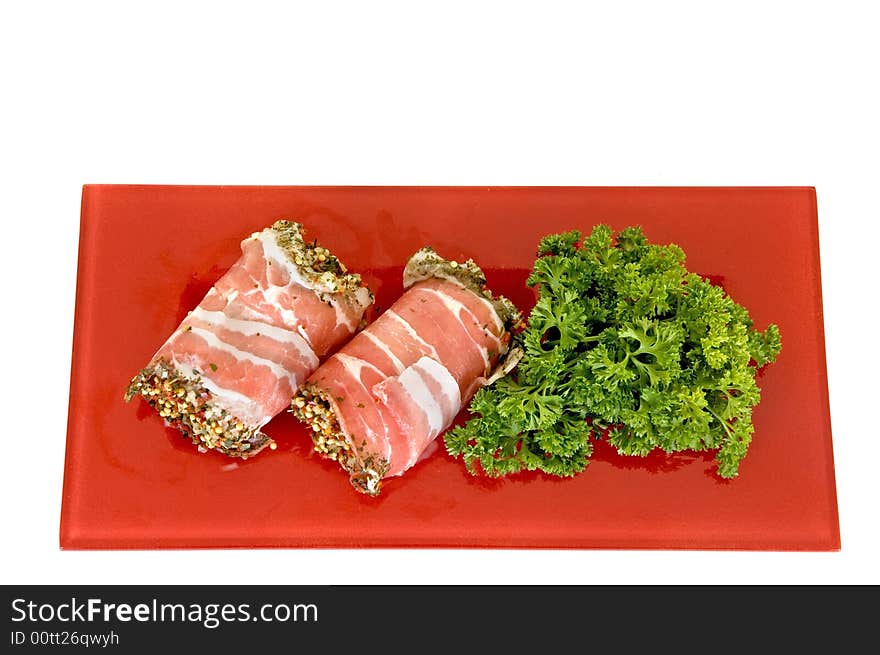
x: 148, y: 254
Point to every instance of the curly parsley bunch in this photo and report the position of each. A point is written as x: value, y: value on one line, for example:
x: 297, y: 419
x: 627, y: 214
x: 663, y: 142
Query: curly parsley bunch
x: 623, y: 342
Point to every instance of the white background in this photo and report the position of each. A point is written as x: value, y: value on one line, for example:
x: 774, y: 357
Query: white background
x: 377, y: 93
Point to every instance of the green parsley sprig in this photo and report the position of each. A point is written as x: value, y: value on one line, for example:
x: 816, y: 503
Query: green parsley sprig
x: 623, y: 343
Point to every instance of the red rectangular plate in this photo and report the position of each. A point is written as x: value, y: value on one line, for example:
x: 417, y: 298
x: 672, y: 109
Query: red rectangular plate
x: 148, y: 254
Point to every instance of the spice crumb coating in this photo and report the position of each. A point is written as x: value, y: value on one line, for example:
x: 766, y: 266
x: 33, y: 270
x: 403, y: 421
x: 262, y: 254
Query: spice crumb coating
x: 313, y: 406
x: 426, y: 263
x: 187, y: 405
x: 318, y: 266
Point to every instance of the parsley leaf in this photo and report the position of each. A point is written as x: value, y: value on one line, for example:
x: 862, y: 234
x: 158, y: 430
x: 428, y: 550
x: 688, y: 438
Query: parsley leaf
x: 625, y: 344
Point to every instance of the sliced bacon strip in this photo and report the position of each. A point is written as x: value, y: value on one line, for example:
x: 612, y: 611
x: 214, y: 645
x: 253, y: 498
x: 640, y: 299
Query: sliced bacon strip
x: 237, y: 359
x: 377, y: 405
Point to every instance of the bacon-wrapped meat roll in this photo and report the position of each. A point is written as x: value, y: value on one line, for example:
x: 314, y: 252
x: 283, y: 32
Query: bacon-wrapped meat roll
x: 238, y: 358
x: 378, y: 403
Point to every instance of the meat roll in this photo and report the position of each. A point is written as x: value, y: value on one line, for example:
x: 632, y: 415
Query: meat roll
x: 378, y: 404
x: 237, y: 359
